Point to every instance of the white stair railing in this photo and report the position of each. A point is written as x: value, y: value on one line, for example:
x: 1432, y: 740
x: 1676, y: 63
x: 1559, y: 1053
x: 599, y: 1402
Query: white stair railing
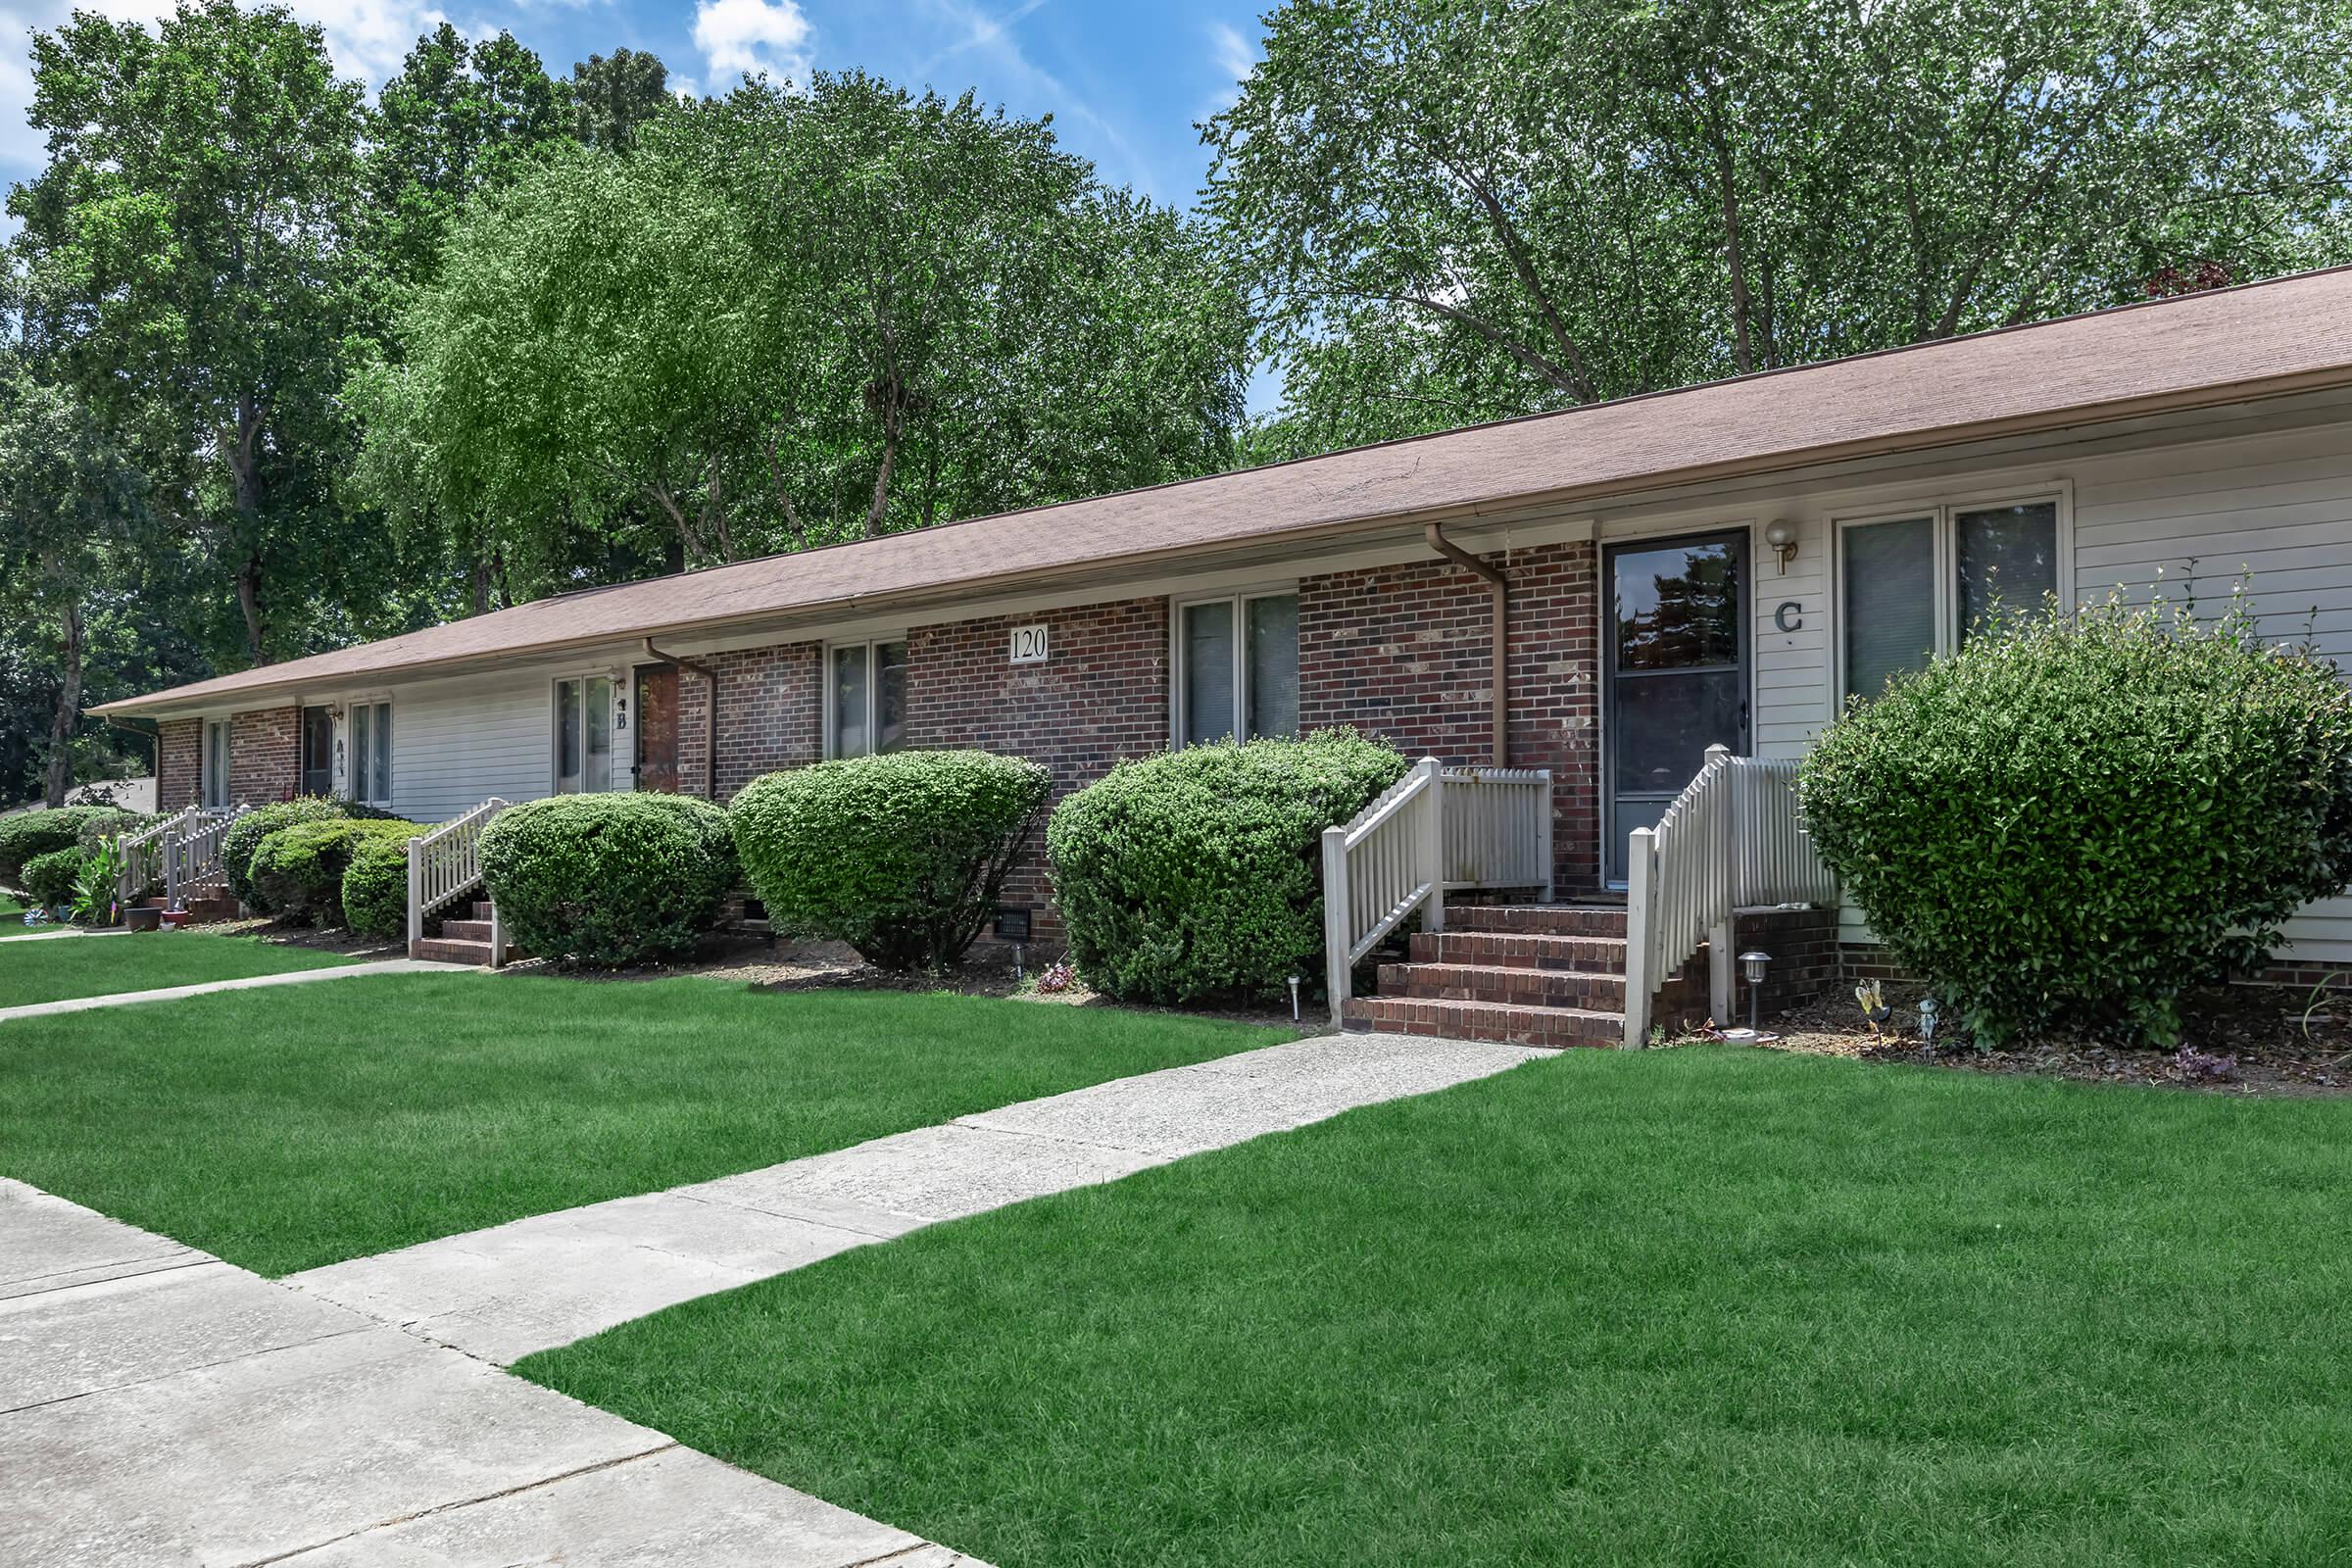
x: 1437, y: 829
x: 142, y: 853
x: 446, y: 864
x: 192, y: 861
x: 1732, y: 839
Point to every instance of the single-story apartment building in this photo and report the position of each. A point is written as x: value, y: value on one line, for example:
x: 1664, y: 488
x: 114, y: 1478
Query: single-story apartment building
x: 1602, y: 592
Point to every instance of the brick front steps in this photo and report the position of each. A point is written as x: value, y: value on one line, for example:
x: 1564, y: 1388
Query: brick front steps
x: 202, y: 907
x: 1535, y: 975
x: 461, y: 940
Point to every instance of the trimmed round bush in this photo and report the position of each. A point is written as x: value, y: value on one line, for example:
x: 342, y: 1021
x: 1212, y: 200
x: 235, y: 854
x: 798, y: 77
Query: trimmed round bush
x: 609, y: 879
x: 900, y: 856
x: 30, y: 834
x: 246, y: 833
x: 375, y: 885
x: 2075, y: 820
x: 298, y: 869
x: 1198, y: 874
x: 53, y: 878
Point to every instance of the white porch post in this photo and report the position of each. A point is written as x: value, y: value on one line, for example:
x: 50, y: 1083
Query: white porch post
x: 1720, y: 1000
x: 1335, y: 918
x: 1433, y: 842
x: 415, y: 894
x: 1641, y: 933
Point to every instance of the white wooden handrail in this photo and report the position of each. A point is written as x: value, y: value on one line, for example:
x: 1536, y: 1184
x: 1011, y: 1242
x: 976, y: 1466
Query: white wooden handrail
x: 444, y: 865
x: 1435, y: 830
x: 142, y: 853
x: 1732, y: 839
x: 192, y: 859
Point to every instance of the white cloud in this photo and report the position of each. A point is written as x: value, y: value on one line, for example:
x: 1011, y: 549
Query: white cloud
x: 753, y: 35
x: 1234, y: 58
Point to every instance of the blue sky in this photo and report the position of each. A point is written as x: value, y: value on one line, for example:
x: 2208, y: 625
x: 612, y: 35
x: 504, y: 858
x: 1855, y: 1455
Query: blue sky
x: 1124, y: 83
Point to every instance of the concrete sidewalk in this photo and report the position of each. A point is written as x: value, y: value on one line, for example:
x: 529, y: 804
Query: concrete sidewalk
x: 537, y: 1283
x: 52, y: 933
x: 293, y: 977
x: 160, y: 1406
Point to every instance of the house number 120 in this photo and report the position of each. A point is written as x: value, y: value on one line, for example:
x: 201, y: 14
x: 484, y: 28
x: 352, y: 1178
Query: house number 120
x: 1028, y: 645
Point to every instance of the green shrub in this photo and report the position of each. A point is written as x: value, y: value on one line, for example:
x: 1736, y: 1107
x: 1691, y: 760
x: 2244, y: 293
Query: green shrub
x: 299, y: 868
x: 246, y: 833
x: 609, y: 879
x: 375, y: 885
x: 2076, y: 819
x: 52, y: 877
x: 900, y: 856
x: 111, y: 822
x: 1198, y: 874
x: 29, y: 834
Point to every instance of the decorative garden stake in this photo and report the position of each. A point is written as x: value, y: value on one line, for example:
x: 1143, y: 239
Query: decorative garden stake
x: 1874, y: 1006
x: 1927, y: 1021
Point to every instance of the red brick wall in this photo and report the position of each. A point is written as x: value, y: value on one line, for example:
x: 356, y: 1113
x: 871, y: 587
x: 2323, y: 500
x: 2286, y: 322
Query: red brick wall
x: 178, y: 764
x: 770, y: 714
x: 264, y: 755
x: 1405, y: 652
x: 1101, y: 698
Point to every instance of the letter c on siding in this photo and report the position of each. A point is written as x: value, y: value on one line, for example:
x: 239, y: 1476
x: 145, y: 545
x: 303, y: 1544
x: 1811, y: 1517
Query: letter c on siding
x: 1789, y: 616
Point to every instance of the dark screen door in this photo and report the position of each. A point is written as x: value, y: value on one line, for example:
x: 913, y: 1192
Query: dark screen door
x: 658, y: 728
x: 317, y: 752
x: 1677, y: 673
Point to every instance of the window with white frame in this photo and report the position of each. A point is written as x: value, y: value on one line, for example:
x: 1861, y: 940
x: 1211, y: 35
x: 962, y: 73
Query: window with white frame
x: 372, y: 752
x: 867, y: 711
x: 213, y: 775
x: 1237, y: 667
x: 583, y: 735
x: 1914, y: 583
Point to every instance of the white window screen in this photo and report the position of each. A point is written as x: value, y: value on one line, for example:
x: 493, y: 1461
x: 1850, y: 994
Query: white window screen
x: 1890, y: 601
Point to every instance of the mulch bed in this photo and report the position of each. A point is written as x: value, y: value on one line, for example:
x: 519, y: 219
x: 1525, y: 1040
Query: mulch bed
x: 2239, y: 1040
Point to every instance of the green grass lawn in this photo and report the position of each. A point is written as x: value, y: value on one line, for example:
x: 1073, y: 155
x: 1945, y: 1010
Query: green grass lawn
x: 291, y: 1127
x: 1697, y: 1306
x: 104, y: 966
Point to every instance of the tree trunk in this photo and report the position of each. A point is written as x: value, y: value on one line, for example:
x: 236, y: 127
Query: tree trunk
x: 477, y: 579
x: 246, y: 488
x: 68, y: 717
x: 1733, y: 253
x: 890, y: 458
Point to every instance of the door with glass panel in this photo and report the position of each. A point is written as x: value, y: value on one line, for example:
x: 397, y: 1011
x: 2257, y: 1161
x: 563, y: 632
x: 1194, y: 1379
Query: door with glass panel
x: 1676, y: 674
x: 658, y: 728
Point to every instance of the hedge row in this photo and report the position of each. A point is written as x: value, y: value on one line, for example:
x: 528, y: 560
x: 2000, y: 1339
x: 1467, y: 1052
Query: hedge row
x: 28, y: 835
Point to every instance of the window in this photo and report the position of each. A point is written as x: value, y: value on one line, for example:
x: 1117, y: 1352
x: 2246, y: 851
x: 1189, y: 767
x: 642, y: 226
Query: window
x: 372, y: 752
x: 584, y: 735
x: 213, y: 786
x: 318, y: 751
x: 1237, y: 667
x: 1912, y: 585
x: 868, y: 710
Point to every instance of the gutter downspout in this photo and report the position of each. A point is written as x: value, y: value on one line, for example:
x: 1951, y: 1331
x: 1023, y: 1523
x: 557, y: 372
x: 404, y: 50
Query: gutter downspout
x: 710, y: 716
x: 1500, y: 587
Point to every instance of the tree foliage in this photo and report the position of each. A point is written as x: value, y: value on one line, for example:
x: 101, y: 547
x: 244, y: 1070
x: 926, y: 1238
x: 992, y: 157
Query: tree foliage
x: 790, y: 320
x: 1459, y: 212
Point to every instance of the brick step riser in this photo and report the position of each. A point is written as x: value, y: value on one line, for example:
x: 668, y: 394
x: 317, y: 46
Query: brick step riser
x: 446, y: 950
x: 1519, y: 988
x: 1546, y: 921
x: 1503, y: 950
x: 1549, y: 1028
x: 466, y: 930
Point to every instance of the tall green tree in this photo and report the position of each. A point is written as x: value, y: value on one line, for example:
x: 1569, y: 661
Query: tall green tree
x: 615, y: 96
x: 793, y: 318
x: 71, y: 505
x: 191, y: 259
x: 1452, y: 212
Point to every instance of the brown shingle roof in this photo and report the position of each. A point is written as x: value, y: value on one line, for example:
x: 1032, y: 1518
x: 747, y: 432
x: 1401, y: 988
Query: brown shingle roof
x: 2200, y: 349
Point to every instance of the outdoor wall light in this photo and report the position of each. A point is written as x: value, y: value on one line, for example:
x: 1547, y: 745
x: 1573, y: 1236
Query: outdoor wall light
x: 1752, y: 965
x: 1781, y: 534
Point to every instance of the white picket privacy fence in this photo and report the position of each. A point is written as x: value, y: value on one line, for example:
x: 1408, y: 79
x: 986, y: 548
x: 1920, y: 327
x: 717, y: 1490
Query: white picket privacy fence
x: 1437, y: 828
x: 446, y: 864
x: 142, y: 853
x: 1732, y: 839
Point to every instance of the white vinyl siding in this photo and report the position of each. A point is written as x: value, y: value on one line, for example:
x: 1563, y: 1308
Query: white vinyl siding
x: 461, y: 742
